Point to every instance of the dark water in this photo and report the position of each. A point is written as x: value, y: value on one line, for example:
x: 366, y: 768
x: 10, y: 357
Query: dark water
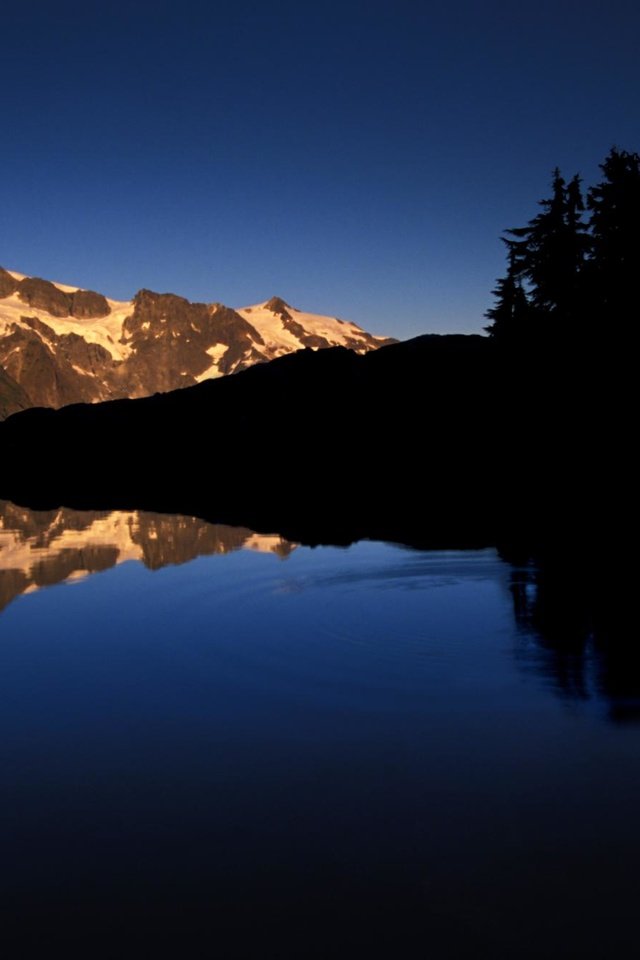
x: 270, y: 750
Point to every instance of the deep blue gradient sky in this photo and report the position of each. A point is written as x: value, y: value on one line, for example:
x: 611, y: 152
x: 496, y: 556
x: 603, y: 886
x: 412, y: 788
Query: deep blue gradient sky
x: 358, y: 159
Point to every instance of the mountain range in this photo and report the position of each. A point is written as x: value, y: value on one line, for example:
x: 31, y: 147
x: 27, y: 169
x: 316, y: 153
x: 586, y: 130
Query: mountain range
x: 60, y: 344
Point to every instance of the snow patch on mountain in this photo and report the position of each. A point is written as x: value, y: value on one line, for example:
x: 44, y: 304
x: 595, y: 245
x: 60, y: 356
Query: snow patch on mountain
x: 216, y: 352
x: 278, y: 323
x: 105, y: 331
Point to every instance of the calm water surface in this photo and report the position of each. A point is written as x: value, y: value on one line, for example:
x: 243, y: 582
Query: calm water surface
x: 270, y: 750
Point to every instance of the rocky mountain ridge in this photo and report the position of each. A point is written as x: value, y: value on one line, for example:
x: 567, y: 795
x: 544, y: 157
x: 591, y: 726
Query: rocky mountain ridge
x: 62, y: 345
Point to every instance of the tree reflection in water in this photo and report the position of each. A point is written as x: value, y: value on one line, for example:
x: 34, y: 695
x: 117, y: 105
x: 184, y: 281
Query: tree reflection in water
x: 576, y: 629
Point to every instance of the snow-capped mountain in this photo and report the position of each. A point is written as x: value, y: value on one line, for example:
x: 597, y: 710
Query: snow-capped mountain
x: 60, y: 344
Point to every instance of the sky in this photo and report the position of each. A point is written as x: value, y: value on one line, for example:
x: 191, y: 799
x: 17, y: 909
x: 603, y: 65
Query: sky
x: 358, y: 159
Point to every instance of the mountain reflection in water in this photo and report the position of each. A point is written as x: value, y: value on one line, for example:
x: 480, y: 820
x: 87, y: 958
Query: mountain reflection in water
x: 43, y: 548
x: 578, y: 656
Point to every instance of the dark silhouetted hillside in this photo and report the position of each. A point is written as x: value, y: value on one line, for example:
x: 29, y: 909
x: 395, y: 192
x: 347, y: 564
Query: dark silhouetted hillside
x: 452, y: 435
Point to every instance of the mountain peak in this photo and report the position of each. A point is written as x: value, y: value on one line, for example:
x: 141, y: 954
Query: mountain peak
x: 278, y: 306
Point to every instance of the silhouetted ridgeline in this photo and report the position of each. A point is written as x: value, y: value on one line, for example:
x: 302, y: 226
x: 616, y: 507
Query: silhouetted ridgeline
x: 443, y: 438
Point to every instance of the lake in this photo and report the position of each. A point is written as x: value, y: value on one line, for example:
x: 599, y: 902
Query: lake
x: 225, y: 744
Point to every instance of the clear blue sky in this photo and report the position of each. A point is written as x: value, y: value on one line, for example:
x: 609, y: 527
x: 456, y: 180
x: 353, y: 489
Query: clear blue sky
x: 358, y: 159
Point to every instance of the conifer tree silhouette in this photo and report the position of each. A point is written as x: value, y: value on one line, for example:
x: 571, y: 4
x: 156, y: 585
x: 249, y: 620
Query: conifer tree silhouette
x: 511, y: 312
x: 546, y: 258
x: 614, y: 266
